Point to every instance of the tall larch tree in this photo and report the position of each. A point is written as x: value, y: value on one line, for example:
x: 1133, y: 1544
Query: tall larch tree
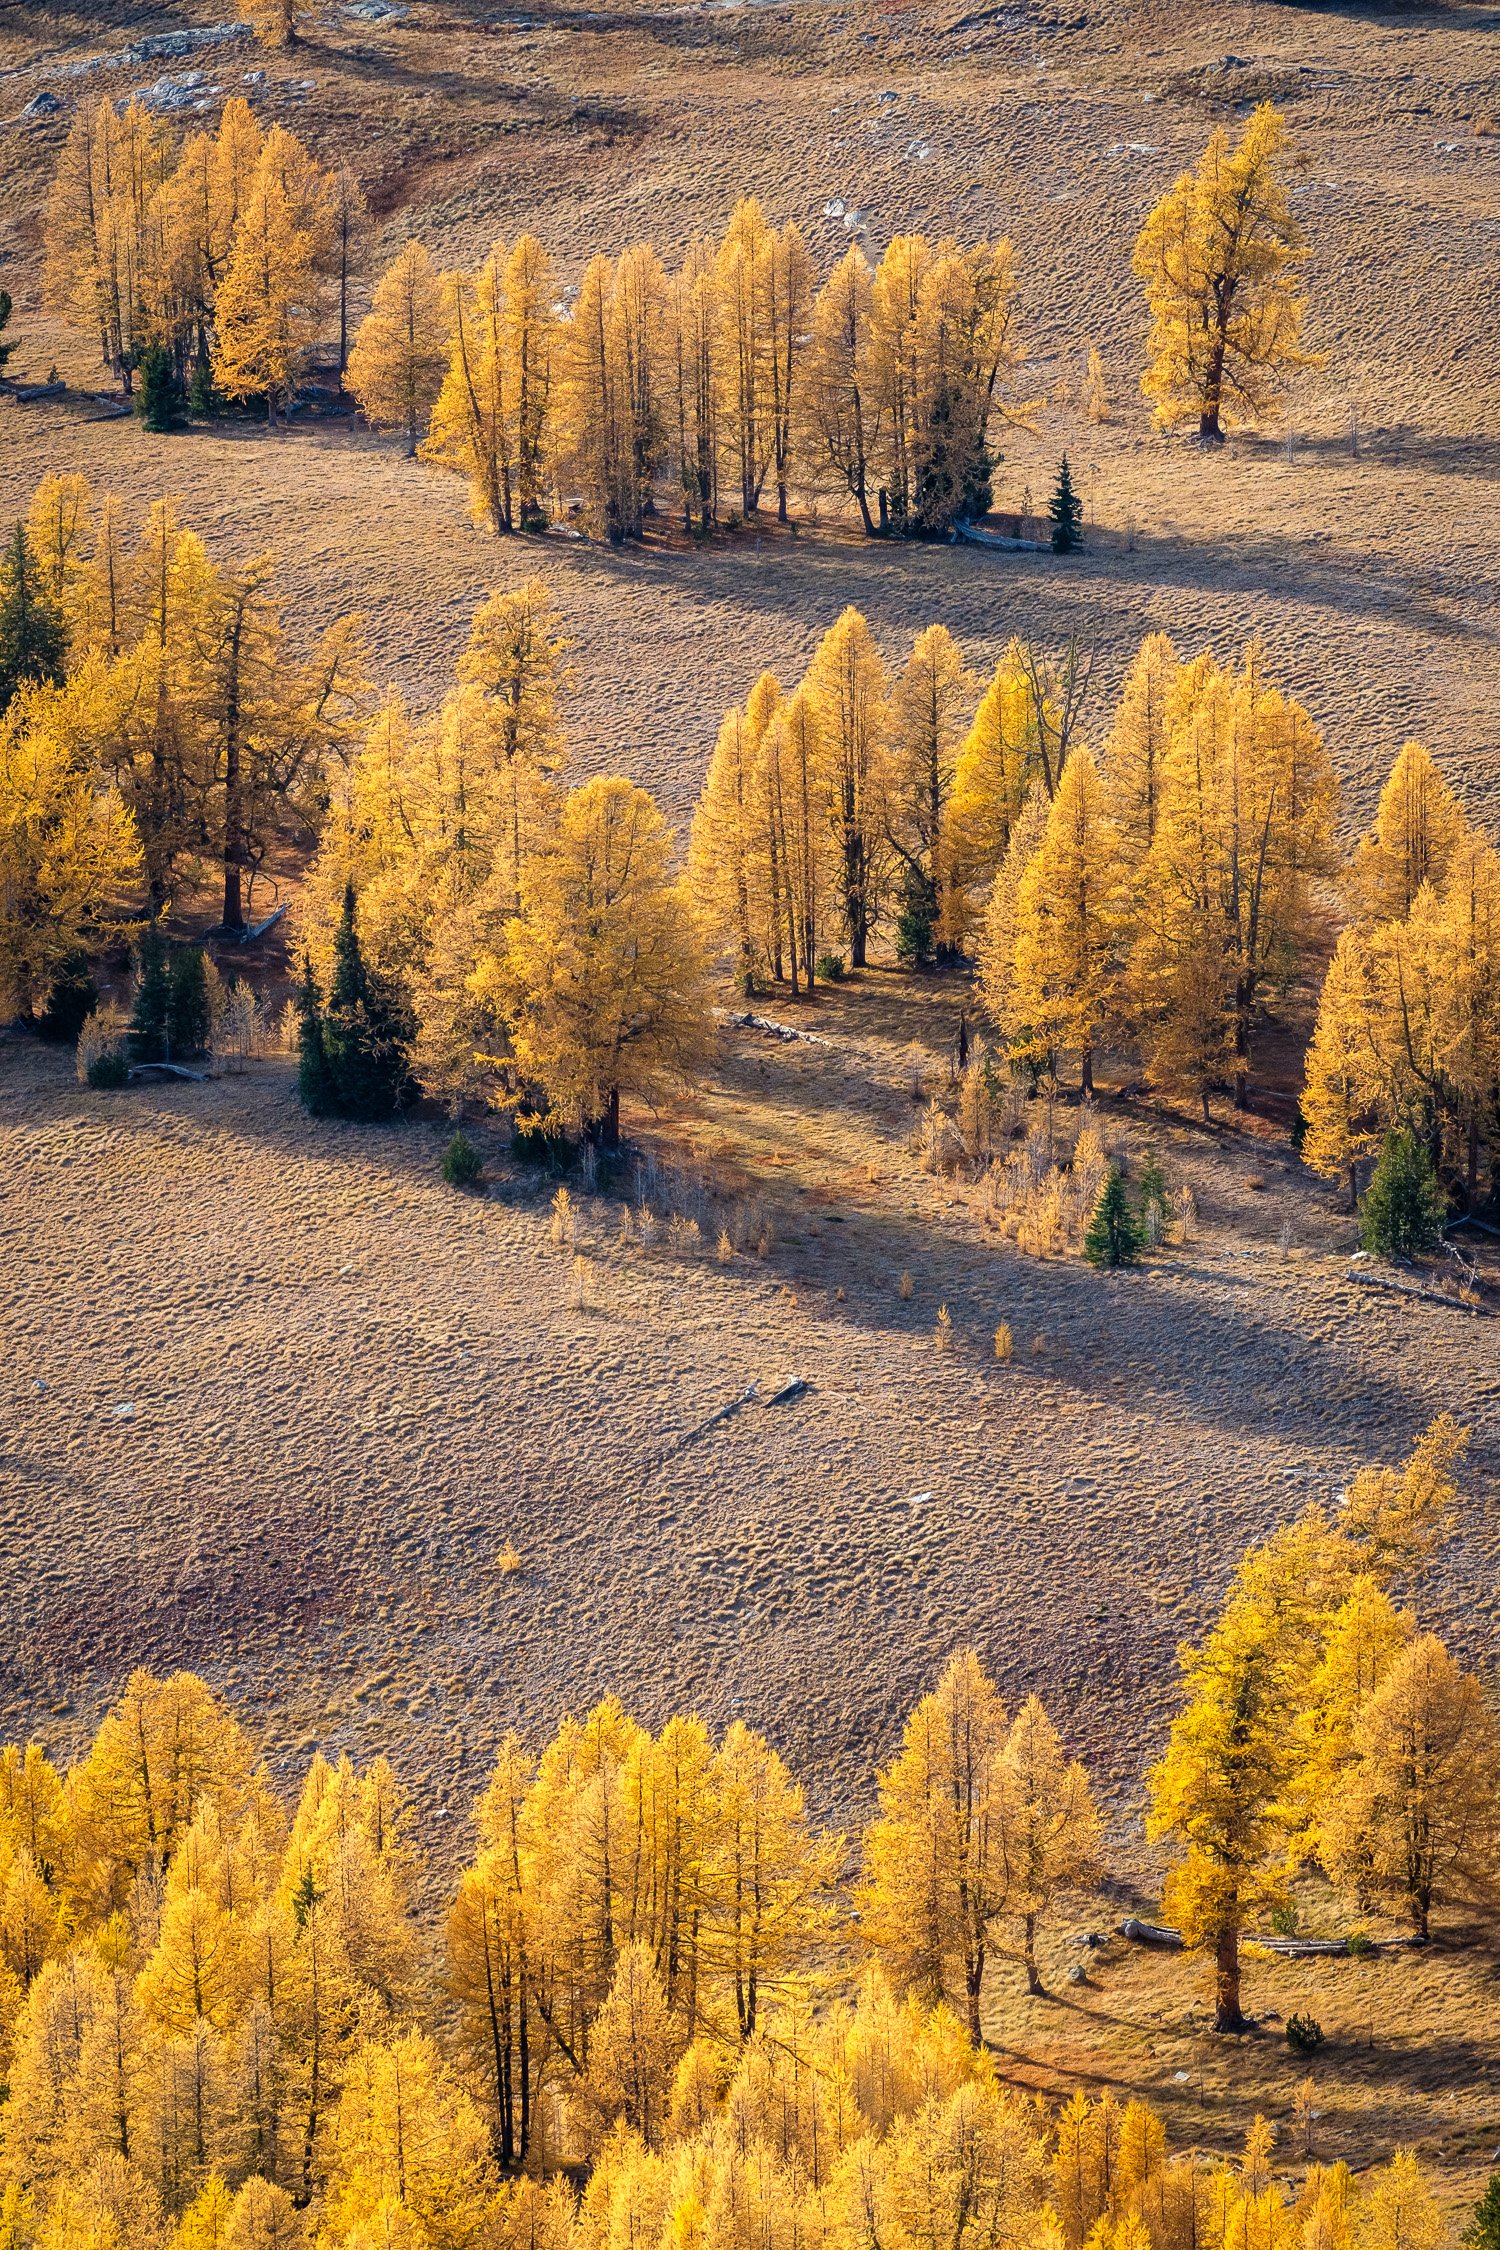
x: 838, y: 400
x: 1063, y: 962
x: 847, y: 686
x: 515, y: 665
x: 1339, y: 1101
x: 1052, y: 1824
x: 1223, y: 1792
x: 1221, y: 257
x: 1418, y: 826
x: 602, y: 980
x: 400, y: 355
x: 992, y: 774
x: 936, y: 1875
x: 930, y: 699
x: 1416, y: 1818
x: 1134, y: 758
x: 264, y: 314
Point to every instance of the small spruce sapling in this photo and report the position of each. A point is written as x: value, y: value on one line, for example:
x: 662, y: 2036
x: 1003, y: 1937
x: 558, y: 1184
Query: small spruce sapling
x: 1404, y: 1208
x: 313, y: 1085
x: 5, y: 348
x: 1114, y: 1236
x: 462, y: 1167
x: 1066, y: 510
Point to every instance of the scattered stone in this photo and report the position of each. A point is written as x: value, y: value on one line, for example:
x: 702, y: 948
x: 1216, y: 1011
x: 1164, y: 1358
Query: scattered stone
x: 124, y: 1412
x: 160, y: 46
x: 44, y: 104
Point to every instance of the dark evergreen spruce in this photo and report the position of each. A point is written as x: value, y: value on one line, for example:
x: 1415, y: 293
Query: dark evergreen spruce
x: 150, y: 1018
x: 365, y: 1034
x: 1114, y: 1236
x: 1405, y: 1208
x: 313, y: 1084
x: 189, y: 1017
x: 1066, y: 510
x: 159, y: 403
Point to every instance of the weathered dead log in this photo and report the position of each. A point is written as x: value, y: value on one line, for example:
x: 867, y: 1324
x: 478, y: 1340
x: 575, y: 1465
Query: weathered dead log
x: 1414, y: 1290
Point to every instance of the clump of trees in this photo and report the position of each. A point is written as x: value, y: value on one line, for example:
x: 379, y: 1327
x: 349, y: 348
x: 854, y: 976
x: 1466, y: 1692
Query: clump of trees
x: 223, y: 253
x: 1407, y: 1041
x: 550, y: 954
x: 158, y: 725
x: 1166, y: 891
x: 222, y: 2015
x: 1320, y: 1726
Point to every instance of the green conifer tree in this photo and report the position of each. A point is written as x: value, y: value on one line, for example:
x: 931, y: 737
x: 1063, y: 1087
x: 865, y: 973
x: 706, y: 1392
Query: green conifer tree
x: 1405, y: 1208
x: 1066, y: 510
x: 367, y: 1031
x: 159, y: 403
x: 33, y: 643
x: 313, y: 1085
x: 203, y: 400
x: 1114, y: 1236
x: 150, y: 1018
x: 189, y: 1018
x: 5, y: 348
x: 462, y: 1164
x: 1483, y: 2229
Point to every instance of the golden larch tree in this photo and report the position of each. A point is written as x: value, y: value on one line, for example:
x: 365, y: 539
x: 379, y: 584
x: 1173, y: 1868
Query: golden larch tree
x: 1062, y: 962
x: 1416, y: 1819
x: 602, y: 979
x: 1220, y: 257
x: 1418, y: 826
x: 936, y: 1875
x: 400, y: 352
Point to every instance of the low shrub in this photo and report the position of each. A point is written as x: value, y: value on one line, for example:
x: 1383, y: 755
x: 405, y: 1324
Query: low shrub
x: 831, y: 967
x: 462, y: 1166
x: 1304, y: 2034
x: 107, y: 1072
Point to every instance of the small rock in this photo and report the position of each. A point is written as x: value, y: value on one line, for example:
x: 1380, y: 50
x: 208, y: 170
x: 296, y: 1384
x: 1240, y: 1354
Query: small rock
x: 1078, y: 1974
x: 44, y: 104
x: 125, y: 1411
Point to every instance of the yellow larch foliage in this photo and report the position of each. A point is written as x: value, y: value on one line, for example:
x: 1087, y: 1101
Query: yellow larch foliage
x: 1220, y: 258
x: 1418, y: 827
x: 265, y: 309
x: 602, y: 980
x: 1062, y: 965
x: 1414, y: 1818
x: 400, y: 353
x: 992, y: 775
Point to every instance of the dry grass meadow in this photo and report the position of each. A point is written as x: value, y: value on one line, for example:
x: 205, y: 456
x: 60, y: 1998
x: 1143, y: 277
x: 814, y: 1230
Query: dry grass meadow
x: 274, y: 1400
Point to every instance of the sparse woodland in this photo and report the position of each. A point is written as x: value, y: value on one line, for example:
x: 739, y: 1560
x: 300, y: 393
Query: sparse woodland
x: 650, y: 2002
x: 222, y: 2017
x: 707, y: 392
x: 545, y: 954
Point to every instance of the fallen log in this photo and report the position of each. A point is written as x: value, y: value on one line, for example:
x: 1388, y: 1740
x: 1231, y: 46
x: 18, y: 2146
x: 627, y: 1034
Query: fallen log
x: 147, y: 1073
x: 1152, y: 1933
x: 1416, y: 1291
x: 1290, y: 1948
